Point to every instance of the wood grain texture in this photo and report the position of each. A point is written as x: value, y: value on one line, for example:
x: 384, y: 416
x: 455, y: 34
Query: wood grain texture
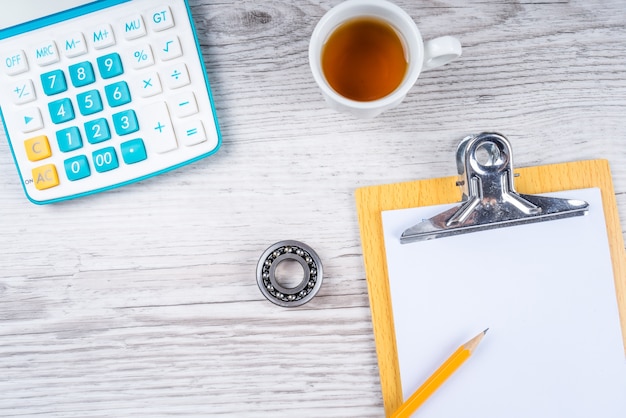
x: 142, y: 301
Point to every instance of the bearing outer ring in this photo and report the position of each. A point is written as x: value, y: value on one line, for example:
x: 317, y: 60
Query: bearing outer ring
x: 302, y: 292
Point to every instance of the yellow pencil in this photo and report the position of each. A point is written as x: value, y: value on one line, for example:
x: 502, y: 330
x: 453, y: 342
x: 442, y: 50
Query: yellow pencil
x: 441, y: 374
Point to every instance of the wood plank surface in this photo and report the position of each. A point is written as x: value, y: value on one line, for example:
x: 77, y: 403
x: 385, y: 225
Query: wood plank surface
x: 143, y: 301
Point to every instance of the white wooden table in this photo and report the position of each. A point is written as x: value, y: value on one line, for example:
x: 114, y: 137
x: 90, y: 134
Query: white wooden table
x: 143, y: 301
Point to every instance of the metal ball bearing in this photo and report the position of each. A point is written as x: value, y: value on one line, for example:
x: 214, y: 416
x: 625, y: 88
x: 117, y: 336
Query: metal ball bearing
x: 289, y: 296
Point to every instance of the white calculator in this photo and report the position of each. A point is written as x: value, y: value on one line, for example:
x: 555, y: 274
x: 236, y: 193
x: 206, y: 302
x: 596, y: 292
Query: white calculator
x: 99, y: 94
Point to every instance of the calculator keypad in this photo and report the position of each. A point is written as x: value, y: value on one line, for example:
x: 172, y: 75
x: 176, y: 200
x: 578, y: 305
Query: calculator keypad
x: 125, y: 101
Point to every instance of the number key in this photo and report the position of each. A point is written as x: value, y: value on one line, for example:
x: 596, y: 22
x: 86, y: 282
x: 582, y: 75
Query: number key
x: 82, y: 74
x: 61, y: 111
x: 105, y: 159
x: 69, y: 139
x: 110, y: 65
x: 97, y: 131
x: 89, y: 102
x: 53, y: 82
x: 117, y: 94
x: 125, y: 122
x: 77, y: 168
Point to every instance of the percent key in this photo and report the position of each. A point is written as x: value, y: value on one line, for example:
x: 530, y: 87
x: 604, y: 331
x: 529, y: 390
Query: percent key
x: 142, y: 57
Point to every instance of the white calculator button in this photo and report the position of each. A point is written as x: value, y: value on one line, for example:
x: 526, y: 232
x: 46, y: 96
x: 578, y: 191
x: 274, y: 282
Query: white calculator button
x: 14, y: 62
x: 74, y: 45
x: 176, y: 76
x: 30, y: 119
x: 192, y: 133
x: 184, y: 105
x: 102, y: 36
x: 133, y: 27
x: 160, y: 18
x: 46, y: 53
x: 156, y: 125
x: 141, y: 56
x: 148, y: 85
x: 169, y: 48
x: 22, y: 92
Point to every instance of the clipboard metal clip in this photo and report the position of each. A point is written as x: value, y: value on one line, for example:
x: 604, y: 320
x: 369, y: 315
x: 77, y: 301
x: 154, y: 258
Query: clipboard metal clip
x: 489, y: 200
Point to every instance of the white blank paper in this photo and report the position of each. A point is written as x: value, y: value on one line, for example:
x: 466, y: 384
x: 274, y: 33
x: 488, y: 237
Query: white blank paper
x: 546, y: 292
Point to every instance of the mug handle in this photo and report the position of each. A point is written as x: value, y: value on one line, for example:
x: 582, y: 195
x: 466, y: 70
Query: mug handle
x: 440, y: 51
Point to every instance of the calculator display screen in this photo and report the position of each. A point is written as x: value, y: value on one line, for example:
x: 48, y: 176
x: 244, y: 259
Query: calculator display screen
x: 17, y: 12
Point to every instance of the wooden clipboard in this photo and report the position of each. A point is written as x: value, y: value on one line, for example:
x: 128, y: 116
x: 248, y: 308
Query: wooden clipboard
x: 372, y: 200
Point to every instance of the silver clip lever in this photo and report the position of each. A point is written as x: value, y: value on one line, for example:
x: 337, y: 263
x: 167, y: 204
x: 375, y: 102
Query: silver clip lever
x: 489, y: 200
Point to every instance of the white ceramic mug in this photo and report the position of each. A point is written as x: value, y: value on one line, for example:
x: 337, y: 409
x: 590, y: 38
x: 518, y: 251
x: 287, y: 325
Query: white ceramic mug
x: 421, y: 55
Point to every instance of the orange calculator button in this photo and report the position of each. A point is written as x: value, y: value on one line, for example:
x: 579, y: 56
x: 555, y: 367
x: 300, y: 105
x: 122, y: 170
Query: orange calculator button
x: 45, y: 177
x: 37, y: 148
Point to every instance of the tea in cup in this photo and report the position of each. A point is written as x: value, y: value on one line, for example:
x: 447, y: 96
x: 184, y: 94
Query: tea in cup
x: 367, y: 54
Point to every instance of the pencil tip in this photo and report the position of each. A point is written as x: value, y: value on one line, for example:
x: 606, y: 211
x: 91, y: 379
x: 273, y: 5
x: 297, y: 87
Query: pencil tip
x: 485, y: 331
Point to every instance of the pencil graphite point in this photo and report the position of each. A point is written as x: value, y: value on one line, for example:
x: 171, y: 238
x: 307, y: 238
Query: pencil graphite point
x: 485, y: 331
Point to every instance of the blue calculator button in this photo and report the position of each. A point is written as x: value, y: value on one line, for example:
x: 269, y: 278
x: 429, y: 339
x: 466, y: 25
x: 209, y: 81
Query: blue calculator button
x: 69, y: 139
x: 77, y: 168
x: 110, y: 65
x: 105, y: 159
x: 133, y: 151
x: 53, y: 82
x: 125, y: 122
x: 82, y: 74
x: 89, y: 102
x: 117, y: 94
x: 61, y: 111
x: 97, y: 131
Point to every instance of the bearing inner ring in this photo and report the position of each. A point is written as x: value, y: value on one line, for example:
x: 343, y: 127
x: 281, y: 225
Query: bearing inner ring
x: 303, y: 291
